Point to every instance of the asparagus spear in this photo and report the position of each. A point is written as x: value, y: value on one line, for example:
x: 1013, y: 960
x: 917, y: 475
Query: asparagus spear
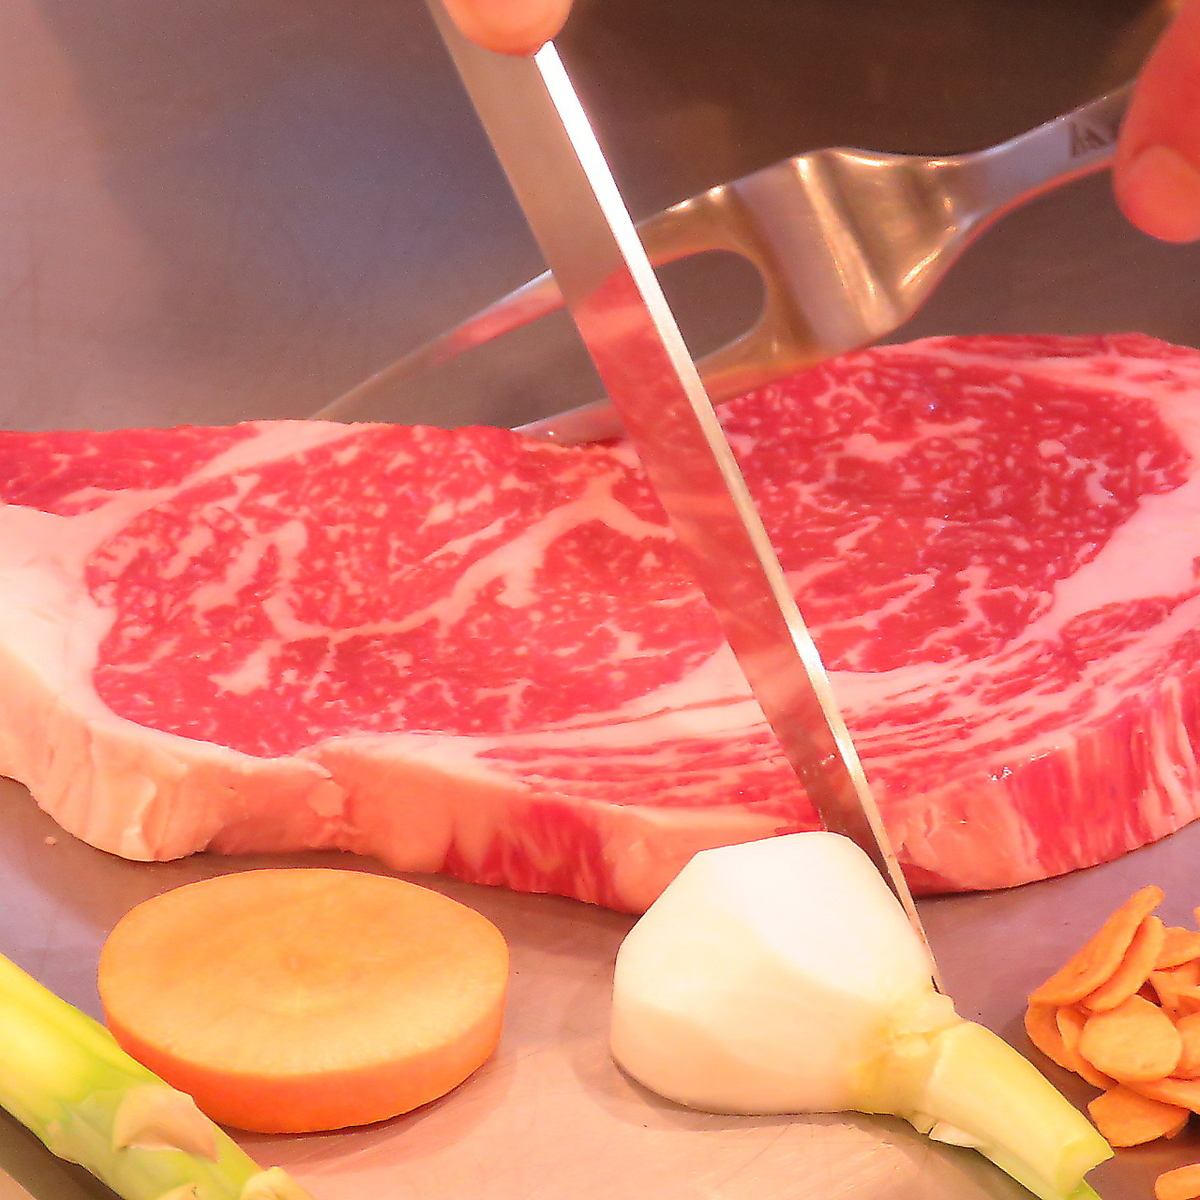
x: 64, y: 1077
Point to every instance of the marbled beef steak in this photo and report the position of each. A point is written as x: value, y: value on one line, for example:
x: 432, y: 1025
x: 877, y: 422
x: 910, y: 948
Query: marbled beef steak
x: 470, y: 652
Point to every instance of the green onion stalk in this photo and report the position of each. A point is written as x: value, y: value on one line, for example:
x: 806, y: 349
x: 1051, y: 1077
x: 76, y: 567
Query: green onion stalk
x: 64, y: 1077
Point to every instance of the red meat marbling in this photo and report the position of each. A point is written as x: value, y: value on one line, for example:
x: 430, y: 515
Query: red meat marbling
x: 470, y: 652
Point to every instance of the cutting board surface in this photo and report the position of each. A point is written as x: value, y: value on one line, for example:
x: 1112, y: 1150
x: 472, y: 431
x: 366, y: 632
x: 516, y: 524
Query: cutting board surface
x: 551, y: 1111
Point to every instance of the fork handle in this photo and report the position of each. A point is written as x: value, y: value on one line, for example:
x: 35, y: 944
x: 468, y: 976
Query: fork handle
x: 988, y: 183
x: 666, y: 238
x: 1007, y: 175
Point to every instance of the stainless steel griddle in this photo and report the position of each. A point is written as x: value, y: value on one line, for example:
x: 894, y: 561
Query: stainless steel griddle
x: 217, y: 211
x: 210, y: 211
x: 551, y: 1116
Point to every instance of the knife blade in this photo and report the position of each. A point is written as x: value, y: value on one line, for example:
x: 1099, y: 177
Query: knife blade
x: 555, y: 165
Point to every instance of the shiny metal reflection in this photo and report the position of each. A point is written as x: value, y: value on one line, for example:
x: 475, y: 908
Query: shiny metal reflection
x: 546, y: 145
x: 849, y: 244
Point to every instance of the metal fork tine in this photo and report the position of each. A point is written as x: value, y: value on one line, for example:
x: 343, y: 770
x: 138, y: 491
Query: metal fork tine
x: 681, y: 231
x: 528, y: 303
x: 848, y: 243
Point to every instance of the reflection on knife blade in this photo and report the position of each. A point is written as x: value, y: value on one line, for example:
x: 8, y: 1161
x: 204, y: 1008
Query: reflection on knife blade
x: 545, y: 143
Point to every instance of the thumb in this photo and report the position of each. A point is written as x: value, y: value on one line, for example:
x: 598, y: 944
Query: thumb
x: 509, y: 26
x: 1156, y: 175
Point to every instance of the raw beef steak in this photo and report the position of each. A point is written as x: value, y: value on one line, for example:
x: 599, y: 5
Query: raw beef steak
x: 469, y: 652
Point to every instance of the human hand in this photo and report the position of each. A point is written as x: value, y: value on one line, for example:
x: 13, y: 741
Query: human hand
x: 1157, y: 170
x: 510, y: 26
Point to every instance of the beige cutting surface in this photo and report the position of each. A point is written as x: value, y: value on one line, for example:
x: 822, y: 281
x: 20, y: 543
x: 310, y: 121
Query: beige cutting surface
x: 551, y: 1116
x: 10, y: 1189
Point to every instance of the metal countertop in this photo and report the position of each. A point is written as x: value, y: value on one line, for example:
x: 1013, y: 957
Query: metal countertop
x: 211, y: 211
x: 550, y: 1115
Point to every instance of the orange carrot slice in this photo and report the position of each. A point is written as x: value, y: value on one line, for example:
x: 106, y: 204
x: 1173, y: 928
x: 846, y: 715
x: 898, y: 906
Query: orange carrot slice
x: 1169, y: 985
x: 1042, y: 1029
x: 1179, y: 946
x: 1070, y: 1023
x: 1186, y: 974
x: 1181, y: 1184
x: 1135, y: 1041
x: 1102, y: 954
x: 1134, y: 970
x: 1188, y: 1066
x: 1185, y: 1093
x: 1126, y: 1118
x: 305, y: 999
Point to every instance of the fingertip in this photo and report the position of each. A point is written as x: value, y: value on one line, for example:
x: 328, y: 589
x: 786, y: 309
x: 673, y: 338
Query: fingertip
x: 510, y: 26
x: 1156, y: 175
x: 1158, y: 190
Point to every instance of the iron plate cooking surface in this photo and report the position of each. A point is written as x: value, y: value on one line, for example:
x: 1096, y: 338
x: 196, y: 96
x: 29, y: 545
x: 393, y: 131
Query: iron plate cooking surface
x: 550, y: 1115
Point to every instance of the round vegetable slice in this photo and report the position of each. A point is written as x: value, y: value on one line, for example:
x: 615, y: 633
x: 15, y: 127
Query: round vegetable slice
x: 1181, y: 1184
x: 287, y: 1001
x: 1126, y: 1118
x: 1179, y: 946
x: 1188, y: 1066
x: 1041, y: 1026
x: 1135, y: 968
x: 1133, y: 1042
x: 1070, y: 1022
x: 1097, y: 961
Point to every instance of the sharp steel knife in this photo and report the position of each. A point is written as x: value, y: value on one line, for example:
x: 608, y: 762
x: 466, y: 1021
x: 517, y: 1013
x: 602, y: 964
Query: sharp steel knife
x: 545, y: 143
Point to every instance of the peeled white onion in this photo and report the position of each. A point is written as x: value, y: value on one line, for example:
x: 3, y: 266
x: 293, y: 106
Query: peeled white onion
x: 782, y: 976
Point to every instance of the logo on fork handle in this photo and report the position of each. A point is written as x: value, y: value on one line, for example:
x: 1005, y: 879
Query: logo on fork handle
x: 1090, y: 135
